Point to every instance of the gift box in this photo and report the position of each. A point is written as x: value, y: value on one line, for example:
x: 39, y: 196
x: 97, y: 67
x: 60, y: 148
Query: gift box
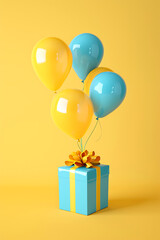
x: 83, y: 190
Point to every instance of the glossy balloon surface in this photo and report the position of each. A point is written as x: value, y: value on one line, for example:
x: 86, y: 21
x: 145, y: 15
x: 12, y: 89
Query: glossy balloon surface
x: 52, y: 61
x: 107, y: 91
x: 87, y: 52
x: 72, y: 112
x: 92, y: 75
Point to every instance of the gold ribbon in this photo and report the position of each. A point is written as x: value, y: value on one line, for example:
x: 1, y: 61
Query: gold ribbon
x: 98, y: 187
x: 72, y: 189
x: 85, y: 158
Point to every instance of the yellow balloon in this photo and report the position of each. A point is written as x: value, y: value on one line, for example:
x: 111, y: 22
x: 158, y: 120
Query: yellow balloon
x: 52, y: 61
x: 92, y: 75
x: 72, y: 112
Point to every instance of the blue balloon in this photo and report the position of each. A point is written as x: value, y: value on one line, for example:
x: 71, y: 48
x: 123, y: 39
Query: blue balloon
x: 107, y: 91
x: 87, y: 52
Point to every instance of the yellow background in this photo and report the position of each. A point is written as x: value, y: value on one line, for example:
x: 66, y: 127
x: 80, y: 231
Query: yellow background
x: 32, y: 148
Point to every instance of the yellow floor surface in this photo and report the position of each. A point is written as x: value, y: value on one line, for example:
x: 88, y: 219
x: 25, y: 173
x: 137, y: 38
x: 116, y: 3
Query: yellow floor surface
x: 31, y: 213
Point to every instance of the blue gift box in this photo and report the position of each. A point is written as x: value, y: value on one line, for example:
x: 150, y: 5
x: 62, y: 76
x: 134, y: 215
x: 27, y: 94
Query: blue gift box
x: 83, y: 190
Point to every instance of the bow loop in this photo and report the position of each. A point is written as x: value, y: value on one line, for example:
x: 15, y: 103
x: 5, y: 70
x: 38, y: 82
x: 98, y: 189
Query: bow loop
x: 83, y: 159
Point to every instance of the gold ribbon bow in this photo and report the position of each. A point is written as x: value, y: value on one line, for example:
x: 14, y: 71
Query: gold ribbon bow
x: 80, y: 159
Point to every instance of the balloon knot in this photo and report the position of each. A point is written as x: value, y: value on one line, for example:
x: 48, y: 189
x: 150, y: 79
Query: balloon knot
x: 82, y: 81
x: 97, y: 118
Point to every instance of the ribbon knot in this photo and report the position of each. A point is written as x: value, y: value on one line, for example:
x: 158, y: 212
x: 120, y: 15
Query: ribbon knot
x: 83, y: 159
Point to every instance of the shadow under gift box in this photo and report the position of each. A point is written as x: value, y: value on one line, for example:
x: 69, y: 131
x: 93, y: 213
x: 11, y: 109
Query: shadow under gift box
x: 83, y: 190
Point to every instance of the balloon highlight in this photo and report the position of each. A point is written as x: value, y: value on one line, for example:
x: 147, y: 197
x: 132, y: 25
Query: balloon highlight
x: 92, y: 75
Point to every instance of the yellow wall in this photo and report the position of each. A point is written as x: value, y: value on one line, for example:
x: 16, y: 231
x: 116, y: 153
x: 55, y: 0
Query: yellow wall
x: 31, y: 147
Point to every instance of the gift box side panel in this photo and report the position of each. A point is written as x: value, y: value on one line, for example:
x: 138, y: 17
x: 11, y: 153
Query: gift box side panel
x: 64, y: 188
x: 81, y: 192
x: 104, y: 186
x: 91, y: 191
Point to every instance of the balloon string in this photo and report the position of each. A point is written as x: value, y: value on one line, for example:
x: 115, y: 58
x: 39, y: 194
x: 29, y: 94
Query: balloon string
x: 97, y: 120
x: 83, y: 85
x: 78, y: 144
x: 100, y: 132
x: 81, y: 145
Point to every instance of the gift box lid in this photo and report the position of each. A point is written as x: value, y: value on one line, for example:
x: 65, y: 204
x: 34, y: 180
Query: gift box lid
x: 88, y: 173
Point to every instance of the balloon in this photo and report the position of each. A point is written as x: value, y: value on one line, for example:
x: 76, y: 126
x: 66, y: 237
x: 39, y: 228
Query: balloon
x: 52, y: 61
x: 107, y: 91
x: 87, y: 52
x: 92, y: 75
x: 72, y: 112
